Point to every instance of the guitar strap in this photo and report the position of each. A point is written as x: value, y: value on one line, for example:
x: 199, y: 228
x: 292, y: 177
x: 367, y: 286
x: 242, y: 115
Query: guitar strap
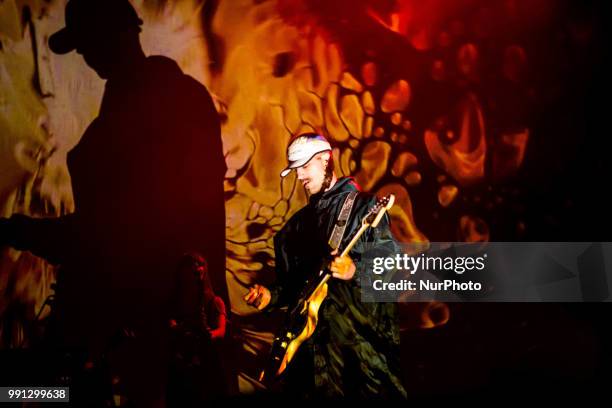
x: 338, y: 231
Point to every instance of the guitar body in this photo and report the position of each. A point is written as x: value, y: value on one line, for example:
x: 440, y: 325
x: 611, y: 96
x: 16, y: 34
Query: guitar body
x: 299, y: 328
x: 302, y: 319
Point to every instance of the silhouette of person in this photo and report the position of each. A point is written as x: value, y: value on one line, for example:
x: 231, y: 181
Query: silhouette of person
x: 198, y: 326
x: 147, y: 178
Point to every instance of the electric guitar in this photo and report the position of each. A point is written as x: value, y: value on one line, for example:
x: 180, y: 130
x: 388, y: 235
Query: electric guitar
x: 302, y: 318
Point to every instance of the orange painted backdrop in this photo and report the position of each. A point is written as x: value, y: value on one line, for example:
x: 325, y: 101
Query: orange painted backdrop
x: 430, y: 100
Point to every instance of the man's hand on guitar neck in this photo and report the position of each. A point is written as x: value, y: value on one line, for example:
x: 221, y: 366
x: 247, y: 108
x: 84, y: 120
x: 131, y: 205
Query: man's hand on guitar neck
x: 258, y: 296
x: 342, y: 267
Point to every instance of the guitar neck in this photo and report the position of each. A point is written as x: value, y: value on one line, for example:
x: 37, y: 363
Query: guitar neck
x: 354, y: 240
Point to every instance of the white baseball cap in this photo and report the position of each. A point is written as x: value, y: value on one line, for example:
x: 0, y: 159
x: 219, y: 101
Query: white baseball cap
x: 302, y: 149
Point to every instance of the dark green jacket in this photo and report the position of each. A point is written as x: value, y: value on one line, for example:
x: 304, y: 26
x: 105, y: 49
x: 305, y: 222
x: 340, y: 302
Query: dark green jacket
x: 355, y: 349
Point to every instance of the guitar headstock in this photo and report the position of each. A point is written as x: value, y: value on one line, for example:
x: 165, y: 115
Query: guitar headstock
x: 373, y: 217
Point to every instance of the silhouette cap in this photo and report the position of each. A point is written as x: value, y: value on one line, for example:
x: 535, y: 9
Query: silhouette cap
x: 87, y: 18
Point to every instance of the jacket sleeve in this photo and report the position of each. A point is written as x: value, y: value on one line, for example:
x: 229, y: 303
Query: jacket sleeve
x: 47, y: 238
x: 278, y: 288
x: 376, y: 243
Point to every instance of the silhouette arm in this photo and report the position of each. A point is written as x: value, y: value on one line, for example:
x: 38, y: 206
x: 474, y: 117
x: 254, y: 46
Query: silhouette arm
x: 44, y: 237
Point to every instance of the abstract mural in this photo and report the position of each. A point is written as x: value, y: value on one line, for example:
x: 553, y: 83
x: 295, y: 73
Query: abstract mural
x: 429, y: 100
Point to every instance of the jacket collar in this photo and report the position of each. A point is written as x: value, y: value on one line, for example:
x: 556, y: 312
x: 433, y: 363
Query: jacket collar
x: 344, y: 184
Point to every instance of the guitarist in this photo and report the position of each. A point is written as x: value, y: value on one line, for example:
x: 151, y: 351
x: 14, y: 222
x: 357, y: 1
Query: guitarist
x: 354, y: 351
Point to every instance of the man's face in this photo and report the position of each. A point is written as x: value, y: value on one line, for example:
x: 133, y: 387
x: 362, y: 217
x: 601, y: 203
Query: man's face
x: 312, y: 174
